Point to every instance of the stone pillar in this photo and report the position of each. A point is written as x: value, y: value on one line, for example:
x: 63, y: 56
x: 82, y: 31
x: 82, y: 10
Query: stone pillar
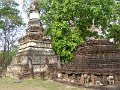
x: 116, y: 78
x: 82, y: 79
x: 74, y: 77
x: 66, y: 77
x: 93, y: 79
x: 104, y: 79
x: 31, y: 68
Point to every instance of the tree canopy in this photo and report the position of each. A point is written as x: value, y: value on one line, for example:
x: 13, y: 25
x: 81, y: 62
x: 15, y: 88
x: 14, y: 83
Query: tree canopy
x: 67, y: 22
x: 10, y: 19
x: 9, y: 14
x: 114, y: 28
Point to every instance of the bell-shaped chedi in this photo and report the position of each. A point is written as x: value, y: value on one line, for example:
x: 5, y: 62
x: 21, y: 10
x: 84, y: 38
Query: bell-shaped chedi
x: 34, y: 48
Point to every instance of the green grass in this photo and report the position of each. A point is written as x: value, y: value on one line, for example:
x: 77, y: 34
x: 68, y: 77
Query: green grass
x: 37, y: 82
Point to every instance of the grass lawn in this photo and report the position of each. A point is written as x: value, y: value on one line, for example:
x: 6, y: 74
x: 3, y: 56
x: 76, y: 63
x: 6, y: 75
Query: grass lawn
x: 34, y: 84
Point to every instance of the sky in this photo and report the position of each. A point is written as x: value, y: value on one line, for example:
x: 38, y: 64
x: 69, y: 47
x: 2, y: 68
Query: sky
x: 24, y: 15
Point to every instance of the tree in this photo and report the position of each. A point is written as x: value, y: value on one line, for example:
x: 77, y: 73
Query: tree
x: 114, y: 29
x: 114, y: 32
x: 12, y: 53
x: 67, y: 22
x: 1, y: 56
x: 9, y: 21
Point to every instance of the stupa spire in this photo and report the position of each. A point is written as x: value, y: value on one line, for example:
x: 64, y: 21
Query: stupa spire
x: 34, y: 10
x: 34, y: 24
x: 93, y: 22
x: 93, y: 27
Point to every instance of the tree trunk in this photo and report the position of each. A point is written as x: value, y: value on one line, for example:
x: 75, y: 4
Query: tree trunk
x: 8, y: 47
x: 7, y: 52
x: 4, y: 51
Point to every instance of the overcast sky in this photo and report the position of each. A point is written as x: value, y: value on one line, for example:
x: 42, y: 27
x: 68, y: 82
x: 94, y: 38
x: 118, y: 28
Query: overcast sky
x: 24, y: 15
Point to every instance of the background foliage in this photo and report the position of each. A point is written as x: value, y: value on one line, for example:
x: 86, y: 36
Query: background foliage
x: 10, y: 20
x: 12, y: 53
x: 67, y: 22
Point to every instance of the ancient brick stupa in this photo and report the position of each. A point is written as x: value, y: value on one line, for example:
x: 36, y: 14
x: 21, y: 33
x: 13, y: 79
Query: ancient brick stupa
x: 34, y: 48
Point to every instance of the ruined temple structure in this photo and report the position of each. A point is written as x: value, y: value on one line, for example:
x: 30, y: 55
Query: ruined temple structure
x: 34, y: 48
x: 96, y: 60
